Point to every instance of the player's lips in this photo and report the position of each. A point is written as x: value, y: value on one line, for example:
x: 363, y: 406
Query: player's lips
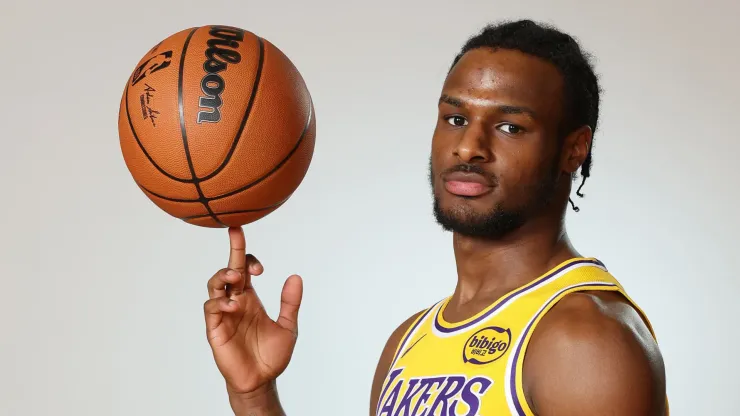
x: 466, y: 184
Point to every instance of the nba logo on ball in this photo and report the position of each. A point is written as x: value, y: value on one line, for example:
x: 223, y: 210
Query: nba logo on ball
x: 487, y: 345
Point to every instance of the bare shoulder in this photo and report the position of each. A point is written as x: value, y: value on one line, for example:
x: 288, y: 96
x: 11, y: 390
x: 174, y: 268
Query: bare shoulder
x: 386, y: 357
x: 594, y: 354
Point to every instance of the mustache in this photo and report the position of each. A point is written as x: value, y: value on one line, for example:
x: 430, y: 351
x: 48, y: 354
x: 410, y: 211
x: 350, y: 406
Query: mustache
x: 472, y: 168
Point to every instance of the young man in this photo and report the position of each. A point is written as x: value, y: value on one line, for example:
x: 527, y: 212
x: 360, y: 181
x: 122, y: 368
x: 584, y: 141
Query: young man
x: 533, y: 328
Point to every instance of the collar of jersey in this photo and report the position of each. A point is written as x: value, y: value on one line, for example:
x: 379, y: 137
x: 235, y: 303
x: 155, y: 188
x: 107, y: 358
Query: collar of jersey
x: 492, y: 308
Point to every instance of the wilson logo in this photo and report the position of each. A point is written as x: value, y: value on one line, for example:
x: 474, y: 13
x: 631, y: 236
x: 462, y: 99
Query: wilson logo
x: 222, y: 51
x: 487, y: 345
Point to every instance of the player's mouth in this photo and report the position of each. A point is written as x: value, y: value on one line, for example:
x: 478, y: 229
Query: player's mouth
x: 466, y: 184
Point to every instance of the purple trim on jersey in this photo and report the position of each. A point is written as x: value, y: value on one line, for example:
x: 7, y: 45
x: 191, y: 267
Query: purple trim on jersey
x: 532, y: 285
x: 408, y: 335
x: 400, y: 350
x: 523, y: 336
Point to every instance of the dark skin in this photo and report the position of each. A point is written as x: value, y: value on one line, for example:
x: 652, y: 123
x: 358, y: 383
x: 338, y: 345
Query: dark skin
x: 592, y: 354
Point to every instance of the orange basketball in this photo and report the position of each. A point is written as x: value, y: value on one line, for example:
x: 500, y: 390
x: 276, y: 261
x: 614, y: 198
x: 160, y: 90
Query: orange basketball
x: 216, y: 126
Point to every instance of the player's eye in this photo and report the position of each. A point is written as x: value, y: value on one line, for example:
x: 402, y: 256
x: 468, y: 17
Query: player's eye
x: 458, y: 121
x: 510, y: 128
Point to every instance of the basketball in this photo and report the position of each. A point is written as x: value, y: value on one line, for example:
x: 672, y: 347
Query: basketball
x: 216, y: 126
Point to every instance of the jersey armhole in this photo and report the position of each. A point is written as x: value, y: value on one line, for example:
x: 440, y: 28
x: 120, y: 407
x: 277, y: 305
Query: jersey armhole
x: 649, y: 325
x: 515, y: 386
x: 642, y: 313
x: 404, y: 338
x: 409, y: 333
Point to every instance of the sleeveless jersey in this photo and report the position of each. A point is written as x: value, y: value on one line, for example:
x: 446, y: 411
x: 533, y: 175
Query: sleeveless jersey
x: 474, y: 367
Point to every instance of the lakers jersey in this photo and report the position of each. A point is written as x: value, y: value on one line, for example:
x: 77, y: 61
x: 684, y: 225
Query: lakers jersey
x: 474, y: 367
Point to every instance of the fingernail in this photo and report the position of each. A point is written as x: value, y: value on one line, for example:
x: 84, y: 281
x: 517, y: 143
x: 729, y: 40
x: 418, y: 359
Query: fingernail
x: 232, y: 273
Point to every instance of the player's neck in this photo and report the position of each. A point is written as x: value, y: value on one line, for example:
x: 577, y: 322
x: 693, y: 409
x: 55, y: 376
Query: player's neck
x: 486, y: 267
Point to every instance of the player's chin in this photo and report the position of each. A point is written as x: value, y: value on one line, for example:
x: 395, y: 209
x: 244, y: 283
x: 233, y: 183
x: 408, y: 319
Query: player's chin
x: 465, y: 210
x: 461, y: 219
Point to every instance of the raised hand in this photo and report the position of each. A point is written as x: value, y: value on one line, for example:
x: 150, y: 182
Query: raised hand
x: 251, y: 350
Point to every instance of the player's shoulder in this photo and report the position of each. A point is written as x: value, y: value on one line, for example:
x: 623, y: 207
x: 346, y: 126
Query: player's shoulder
x: 395, y: 337
x: 599, y: 342
x: 593, y: 316
x: 386, y: 357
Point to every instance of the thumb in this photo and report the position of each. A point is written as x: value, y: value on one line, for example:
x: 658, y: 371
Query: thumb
x: 290, y: 302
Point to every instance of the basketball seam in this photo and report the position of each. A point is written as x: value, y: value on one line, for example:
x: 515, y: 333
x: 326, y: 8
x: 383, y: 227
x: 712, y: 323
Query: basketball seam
x: 242, y: 211
x: 247, y: 112
x: 202, y: 198
x: 280, y: 164
x: 141, y: 146
x: 253, y: 183
x: 165, y: 198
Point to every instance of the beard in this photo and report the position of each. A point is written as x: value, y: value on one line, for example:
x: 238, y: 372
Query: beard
x: 498, y: 221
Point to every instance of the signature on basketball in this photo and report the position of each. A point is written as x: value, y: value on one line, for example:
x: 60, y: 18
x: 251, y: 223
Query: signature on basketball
x: 146, y: 105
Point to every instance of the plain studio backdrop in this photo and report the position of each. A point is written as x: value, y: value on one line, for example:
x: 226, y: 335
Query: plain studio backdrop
x: 102, y: 293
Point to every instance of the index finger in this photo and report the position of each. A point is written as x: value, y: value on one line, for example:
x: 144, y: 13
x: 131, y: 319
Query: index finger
x: 237, y: 255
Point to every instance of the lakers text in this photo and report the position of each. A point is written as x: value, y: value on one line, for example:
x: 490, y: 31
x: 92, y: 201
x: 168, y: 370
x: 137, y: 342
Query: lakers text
x: 453, y: 395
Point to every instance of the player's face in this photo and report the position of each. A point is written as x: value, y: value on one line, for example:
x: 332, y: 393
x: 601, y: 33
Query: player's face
x: 495, y: 150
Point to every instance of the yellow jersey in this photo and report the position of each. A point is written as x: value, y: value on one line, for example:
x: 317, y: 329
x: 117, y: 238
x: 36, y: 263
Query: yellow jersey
x: 474, y: 367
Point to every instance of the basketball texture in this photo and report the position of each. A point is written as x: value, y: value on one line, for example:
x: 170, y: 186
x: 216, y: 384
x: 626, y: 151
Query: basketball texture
x: 216, y: 126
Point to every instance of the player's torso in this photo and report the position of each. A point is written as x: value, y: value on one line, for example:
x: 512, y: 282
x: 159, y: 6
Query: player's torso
x: 474, y: 367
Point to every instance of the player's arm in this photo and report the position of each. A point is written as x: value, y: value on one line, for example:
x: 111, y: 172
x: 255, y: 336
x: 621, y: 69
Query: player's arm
x: 384, y: 363
x: 593, y: 355
x: 261, y: 402
x: 250, y: 349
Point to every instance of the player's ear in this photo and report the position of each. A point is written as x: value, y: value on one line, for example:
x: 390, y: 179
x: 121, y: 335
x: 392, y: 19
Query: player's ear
x: 575, y: 149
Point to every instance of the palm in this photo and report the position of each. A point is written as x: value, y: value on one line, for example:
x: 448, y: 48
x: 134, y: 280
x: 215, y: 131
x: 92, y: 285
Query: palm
x: 250, y: 348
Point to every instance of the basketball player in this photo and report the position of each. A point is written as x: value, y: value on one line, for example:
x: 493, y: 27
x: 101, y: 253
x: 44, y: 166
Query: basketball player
x: 533, y: 327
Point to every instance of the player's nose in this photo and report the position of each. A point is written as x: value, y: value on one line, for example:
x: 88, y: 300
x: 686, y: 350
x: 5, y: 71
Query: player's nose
x: 474, y: 145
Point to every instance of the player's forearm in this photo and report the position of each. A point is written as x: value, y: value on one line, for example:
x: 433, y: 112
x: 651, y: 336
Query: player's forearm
x: 262, y: 403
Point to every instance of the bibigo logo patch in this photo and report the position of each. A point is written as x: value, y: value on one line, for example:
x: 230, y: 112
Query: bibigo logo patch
x: 487, y: 345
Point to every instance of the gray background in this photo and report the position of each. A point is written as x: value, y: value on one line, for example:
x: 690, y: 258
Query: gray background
x: 102, y: 293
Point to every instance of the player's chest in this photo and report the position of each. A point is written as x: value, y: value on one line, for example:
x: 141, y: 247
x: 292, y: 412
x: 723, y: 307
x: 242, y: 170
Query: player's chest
x: 462, y: 374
